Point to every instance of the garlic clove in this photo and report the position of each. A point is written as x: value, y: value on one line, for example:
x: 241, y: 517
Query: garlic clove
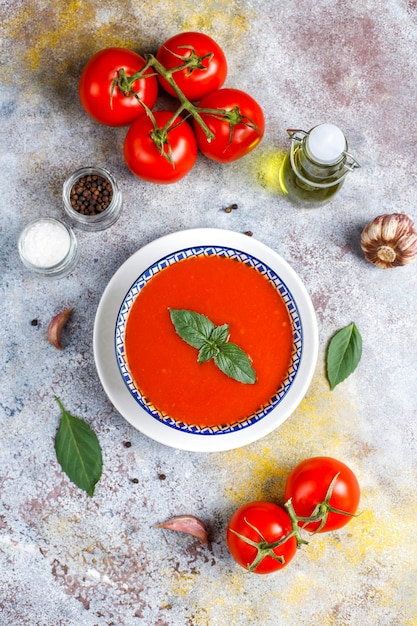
x: 187, y: 524
x: 55, y: 327
x: 390, y: 240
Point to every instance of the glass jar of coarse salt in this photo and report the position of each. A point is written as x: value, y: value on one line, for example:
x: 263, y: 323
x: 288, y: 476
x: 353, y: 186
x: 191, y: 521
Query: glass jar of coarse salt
x: 48, y: 247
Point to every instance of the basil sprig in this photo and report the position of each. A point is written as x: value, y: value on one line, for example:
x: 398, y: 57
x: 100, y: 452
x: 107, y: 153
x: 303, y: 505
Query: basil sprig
x: 343, y: 354
x: 212, y: 342
x: 78, y: 451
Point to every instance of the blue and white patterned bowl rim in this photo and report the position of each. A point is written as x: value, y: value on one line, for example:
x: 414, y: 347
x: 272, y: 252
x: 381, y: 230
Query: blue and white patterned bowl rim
x: 249, y: 260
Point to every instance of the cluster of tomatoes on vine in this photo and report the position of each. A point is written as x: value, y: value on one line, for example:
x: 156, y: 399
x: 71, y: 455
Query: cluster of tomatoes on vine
x: 119, y: 87
x: 321, y: 495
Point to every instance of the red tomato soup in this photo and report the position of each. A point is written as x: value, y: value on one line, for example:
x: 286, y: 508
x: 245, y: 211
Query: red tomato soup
x: 165, y: 368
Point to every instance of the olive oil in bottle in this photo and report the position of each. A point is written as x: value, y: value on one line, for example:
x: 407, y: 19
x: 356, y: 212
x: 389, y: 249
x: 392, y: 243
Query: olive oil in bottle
x: 316, y: 165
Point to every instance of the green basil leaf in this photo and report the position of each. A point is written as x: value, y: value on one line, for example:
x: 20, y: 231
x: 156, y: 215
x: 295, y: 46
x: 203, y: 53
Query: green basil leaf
x: 192, y: 327
x: 343, y: 354
x: 235, y: 363
x: 218, y: 337
x: 220, y: 334
x: 207, y: 352
x: 78, y: 451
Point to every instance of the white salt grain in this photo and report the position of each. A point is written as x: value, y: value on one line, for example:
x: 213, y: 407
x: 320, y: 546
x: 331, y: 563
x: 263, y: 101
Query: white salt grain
x: 46, y: 244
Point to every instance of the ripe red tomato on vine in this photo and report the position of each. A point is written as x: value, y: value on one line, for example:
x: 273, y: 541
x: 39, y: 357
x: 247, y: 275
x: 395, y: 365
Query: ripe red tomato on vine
x: 327, y: 482
x: 253, y: 533
x: 161, y: 154
x: 236, y: 134
x: 104, y: 100
x: 207, y: 66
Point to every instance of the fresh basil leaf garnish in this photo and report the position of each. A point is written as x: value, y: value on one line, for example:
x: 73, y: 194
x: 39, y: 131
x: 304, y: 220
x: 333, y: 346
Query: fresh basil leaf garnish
x: 211, y: 347
x: 192, y: 327
x: 207, y: 352
x: 234, y: 362
x: 78, y: 451
x: 220, y: 334
x: 343, y: 354
x: 212, y: 343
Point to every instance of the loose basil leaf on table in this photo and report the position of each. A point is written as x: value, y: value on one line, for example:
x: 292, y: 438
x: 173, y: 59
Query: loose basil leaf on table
x: 343, y: 354
x: 78, y: 451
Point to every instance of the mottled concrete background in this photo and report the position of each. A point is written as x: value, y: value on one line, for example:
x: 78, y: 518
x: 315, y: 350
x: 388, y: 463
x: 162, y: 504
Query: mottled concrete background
x: 70, y: 560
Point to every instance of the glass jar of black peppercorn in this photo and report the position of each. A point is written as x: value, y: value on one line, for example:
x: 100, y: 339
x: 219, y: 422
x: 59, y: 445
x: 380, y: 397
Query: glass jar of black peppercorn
x: 92, y: 198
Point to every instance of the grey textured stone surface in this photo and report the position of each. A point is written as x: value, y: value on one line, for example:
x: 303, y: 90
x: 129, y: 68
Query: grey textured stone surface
x: 68, y: 559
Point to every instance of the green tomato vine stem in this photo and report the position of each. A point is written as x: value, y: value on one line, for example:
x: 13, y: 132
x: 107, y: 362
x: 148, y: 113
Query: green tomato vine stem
x: 160, y: 135
x: 125, y: 85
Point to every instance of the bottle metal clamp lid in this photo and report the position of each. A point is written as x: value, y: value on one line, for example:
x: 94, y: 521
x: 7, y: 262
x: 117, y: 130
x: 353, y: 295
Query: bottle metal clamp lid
x: 326, y: 145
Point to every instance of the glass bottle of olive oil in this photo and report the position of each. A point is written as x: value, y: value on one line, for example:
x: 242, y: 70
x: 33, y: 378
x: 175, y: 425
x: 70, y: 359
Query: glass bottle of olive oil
x: 316, y: 165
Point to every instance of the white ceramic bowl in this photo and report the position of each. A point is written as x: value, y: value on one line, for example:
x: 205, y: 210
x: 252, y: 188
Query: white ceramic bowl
x: 114, y: 308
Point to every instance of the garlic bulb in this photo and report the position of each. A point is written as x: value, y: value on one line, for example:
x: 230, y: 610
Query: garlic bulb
x: 390, y: 240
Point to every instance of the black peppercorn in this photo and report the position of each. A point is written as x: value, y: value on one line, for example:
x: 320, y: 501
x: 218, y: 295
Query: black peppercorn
x: 91, y: 194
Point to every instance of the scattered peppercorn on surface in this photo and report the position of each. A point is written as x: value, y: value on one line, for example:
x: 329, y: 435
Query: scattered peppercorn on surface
x: 68, y: 558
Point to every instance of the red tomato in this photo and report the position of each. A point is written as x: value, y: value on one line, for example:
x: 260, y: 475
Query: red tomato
x: 203, y: 76
x: 262, y: 523
x: 308, y: 484
x: 144, y: 158
x: 235, y: 138
x: 111, y: 106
